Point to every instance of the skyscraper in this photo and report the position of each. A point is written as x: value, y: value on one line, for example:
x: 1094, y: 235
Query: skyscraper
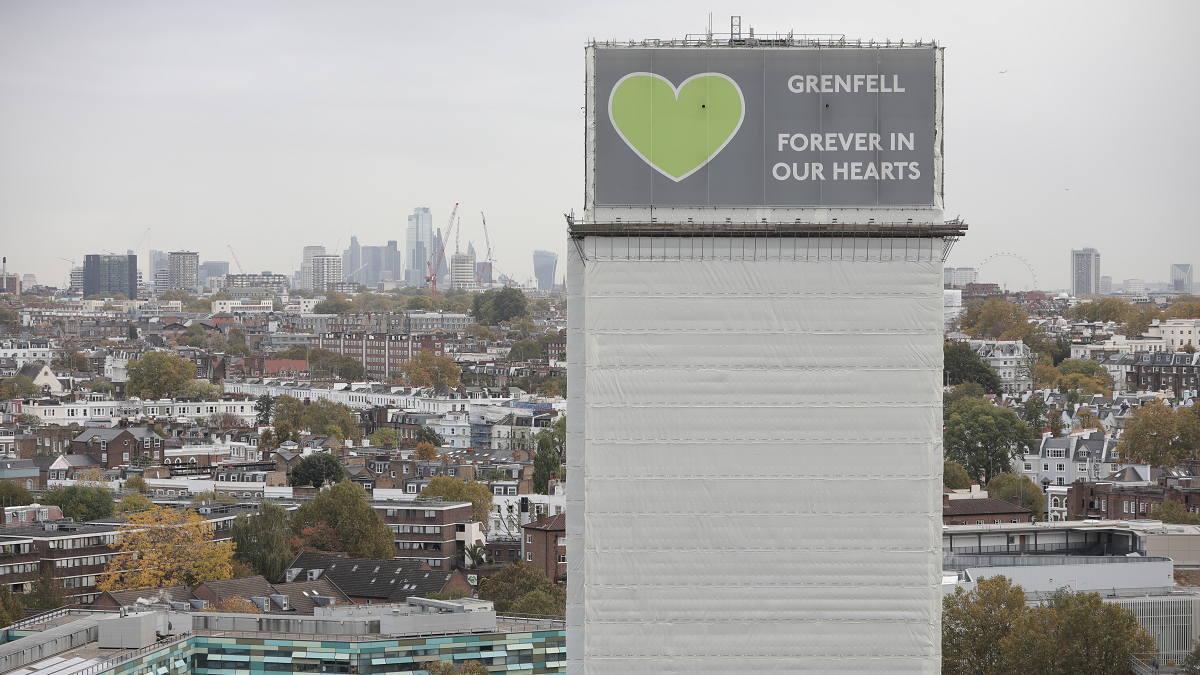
x: 544, y: 264
x: 418, y: 242
x: 1105, y: 285
x: 213, y: 268
x: 352, y: 261
x: 109, y: 275
x: 306, y: 268
x: 183, y: 270
x: 1181, y: 278
x: 1085, y: 272
x: 462, y: 270
x: 326, y: 270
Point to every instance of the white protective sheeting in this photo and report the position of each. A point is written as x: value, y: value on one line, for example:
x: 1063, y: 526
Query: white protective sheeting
x: 754, y: 455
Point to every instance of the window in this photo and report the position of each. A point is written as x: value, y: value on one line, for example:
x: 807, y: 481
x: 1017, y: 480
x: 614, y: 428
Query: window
x: 1104, y: 506
x: 1014, y: 520
x: 529, y: 539
x: 529, y: 554
x: 1054, y: 502
x: 411, y: 488
x: 562, y: 541
x: 430, y: 513
x: 1028, y: 466
x: 1125, y: 506
x: 1045, y: 467
x: 979, y: 522
x: 1061, y: 481
x: 562, y: 559
x: 124, y: 456
x: 1142, y: 508
x: 1062, y: 467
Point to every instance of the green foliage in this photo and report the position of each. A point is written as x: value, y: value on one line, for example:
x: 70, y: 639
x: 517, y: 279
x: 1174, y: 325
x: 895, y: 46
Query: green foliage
x: 1033, y: 413
x: 345, y: 367
x: 964, y: 365
x: 159, y: 375
x: 18, y: 386
x: 551, y: 452
x: 12, y: 494
x: 332, y: 307
x: 1160, y: 436
x: 291, y: 414
x: 491, y: 307
x: 344, y: 507
x: 134, y: 502
x: 1076, y: 634
x: 1006, y: 485
x: 47, y: 592
x: 81, y: 503
x: 201, y: 389
x: 428, y: 435
x: 454, y: 490
x: 525, y: 350
x: 103, y: 387
x: 316, y: 469
x: 510, y: 587
x: 9, y: 318
x: 176, y: 295
x: 961, y: 391
x: 10, y: 607
x: 975, y: 625
x: 262, y: 540
x: 262, y: 408
x: 1174, y: 513
x: 383, y: 435
x: 954, y: 476
x: 984, y: 438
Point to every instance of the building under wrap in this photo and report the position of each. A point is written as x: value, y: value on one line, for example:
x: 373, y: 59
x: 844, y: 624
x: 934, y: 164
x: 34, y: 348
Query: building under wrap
x: 754, y: 428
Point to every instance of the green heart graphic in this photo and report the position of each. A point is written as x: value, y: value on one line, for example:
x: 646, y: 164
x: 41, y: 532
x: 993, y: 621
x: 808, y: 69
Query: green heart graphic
x: 676, y: 130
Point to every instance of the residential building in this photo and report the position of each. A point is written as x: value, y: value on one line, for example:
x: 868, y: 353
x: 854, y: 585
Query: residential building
x: 109, y: 275
x: 982, y: 512
x: 368, y: 581
x: 1175, y: 333
x: 961, y: 276
x: 1176, y: 373
x: 306, y: 266
x: 1134, y: 287
x: 242, y: 306
x: 326, y: 271
x: 545, y: 545
x: 1012, y: 360
x: 212, y: 268
x: 1181, y: 278
x: 432, y: 532
x: 462, y: 270
x: 265, y: 284
x: 544, y: 265
x: 118, y: 447
x: 1106, y: 285
x: 1085, y: 272
x: 380, y: 355
x: 429, y: 322
x: 183, y: 271
x: 1082, y: 456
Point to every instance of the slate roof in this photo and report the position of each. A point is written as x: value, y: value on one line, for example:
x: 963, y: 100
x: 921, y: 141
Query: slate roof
x: 390, y: 579
x: 980, y: 507
x: 246, y: 587
x: 553, y: 524
x: 109, y: 434
x: 300, y: 594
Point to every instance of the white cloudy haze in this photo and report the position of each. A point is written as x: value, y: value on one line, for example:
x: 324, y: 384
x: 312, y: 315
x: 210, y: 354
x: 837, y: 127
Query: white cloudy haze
x: 274, y: 125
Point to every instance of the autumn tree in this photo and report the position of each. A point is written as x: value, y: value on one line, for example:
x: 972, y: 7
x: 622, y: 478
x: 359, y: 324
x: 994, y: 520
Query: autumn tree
x: 455, y: 490
x: 319, y: 537
x: 47, y: 592
x: 1087, y: 419
x: 236, y: 604
x: 137, y: 483
x: 134, y: 502
x: 317, y: 469
x: 18, y: 386
x: 426, y: 369
x: 448, y: 668
x: 159, y: 375
x: 261, y: 540
x: 13, y: 494
x: 954, y: 476
x: 166, y: 547
x: 292, y: 415
x: 1153, y: 436
x: 1175, y: 513
x: 975, y: 624
x: 510, y: 590
x: 1072, y: 633
x: 344, y: 508
x: 1045, y: 376
x: 10, y: 607
x: 426, y: 452
x: 525, y: 350
x: 984, y: 438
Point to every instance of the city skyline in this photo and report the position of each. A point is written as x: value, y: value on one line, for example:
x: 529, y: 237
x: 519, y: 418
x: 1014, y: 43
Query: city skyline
x: 319, y: 127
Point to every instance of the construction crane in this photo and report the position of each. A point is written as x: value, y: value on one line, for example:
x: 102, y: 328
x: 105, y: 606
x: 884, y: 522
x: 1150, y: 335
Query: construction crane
x: 239, y: 263
x: 347, y: 276
x: 133, y: 247
x: 433, y: 270
x: 487, y: 258
x: 73, y: 263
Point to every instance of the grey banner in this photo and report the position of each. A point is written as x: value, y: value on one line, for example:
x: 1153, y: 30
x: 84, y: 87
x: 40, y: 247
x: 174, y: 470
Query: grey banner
x: 820, y: 127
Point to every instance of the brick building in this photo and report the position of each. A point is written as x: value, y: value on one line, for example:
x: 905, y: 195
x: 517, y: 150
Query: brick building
x: 381, y: 355
x: 1155, y: 371
x: 546, y: 545
x: 114, y: 447
x: 430, y: 531
x: 982, y: 512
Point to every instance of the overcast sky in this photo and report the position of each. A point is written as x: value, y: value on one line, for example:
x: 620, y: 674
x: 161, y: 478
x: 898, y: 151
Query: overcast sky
x: 269, y: 126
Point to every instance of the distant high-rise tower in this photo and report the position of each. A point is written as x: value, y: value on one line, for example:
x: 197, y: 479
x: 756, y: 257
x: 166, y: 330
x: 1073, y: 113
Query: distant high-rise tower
x: 183, y: 270
x: 544, y: 264
x: 352, y: 261
x: 462, y: 270
x: 326, y: 270
x: 1181, y: 278
x: 213, y: 268
x: 109, y: 275
x: 1105, y: 285
x: 306, y: 266
x: 78, y: 279
x: 418, y: 243
x: 1085, y: 272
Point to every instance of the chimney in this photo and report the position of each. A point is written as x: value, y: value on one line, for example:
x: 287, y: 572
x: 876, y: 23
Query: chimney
x: 1016, y: 499
x: 945, y: 500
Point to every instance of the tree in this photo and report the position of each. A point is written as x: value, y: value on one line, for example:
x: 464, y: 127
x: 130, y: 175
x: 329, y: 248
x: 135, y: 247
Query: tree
x: 262, y: 408
x: 1007, y: 485
x: 1191, y: 665
x: 103, y: 387
x: 476, y: 554
x: 175, y: 295
x: 201, y: 389
x: 1083, y: 385
x: 166, y: 547
x: 492, y: 307
x: 134, y: 502
x: 319, y: 537
x: 19, y: 386
x: 1152, y: 437
x: 317, y: 469
x: 984, y: 438
x: 426, y: 452
x: 9, y: 318
x: 12, y: 494
x: 224, y: 420
x: 525, y: 350
x: 428, y: 435
x: 293, y: 415
x: 210, y: 497
x: 545, y: 466
x: 961, y: 391
x: 510, y: 585
x: 454, y: 490
x: 138, y: 483
x: 954, y: 476
x: 234, y: 603
x: 132, y: 333
x: 358, y: 525
x: 1086, y: 419
x: 10, y: 607
x: 384, y: 435
x: 1076, y: 634
x: 332, y: 307
x: 262, y: 540
x: 964, y: 365
x: 975, y: 624
x: 1045, y: 376
x: 82, y: 503
x: 448, y: 668
x: 1175, y: 513
x: 345, y: 367
x: 47, y: 592
x: 426, y: 369
x: 159, y: 375
x: 1033, y: 413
